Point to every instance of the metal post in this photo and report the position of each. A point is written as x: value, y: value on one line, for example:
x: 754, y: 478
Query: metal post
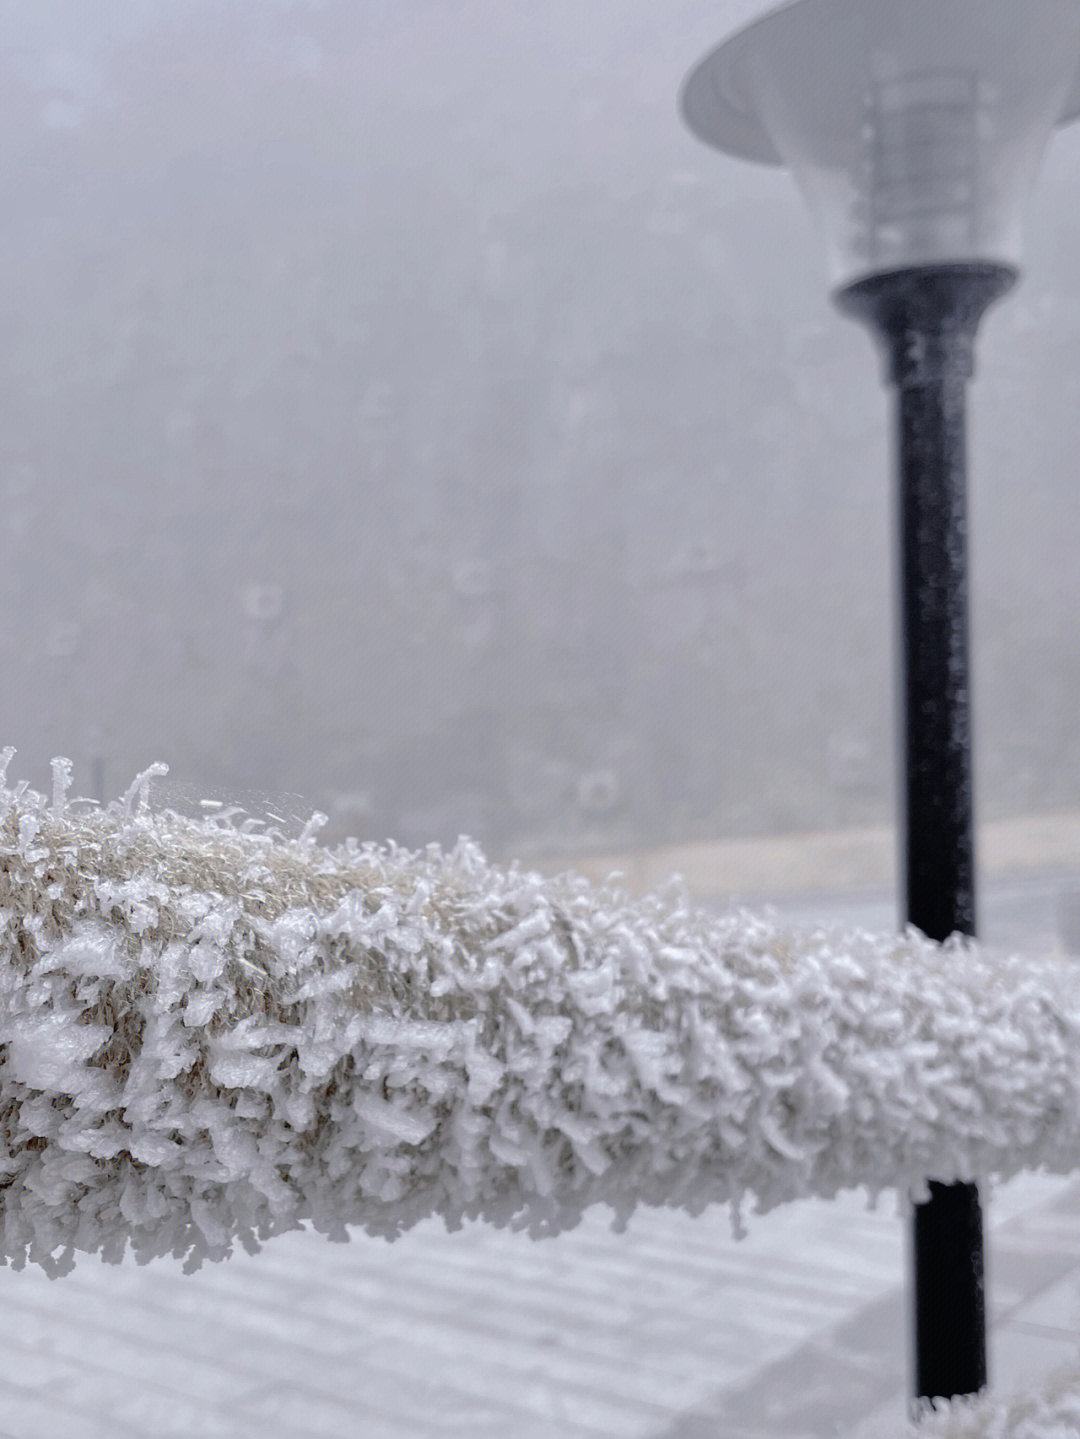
x: 924, y: 319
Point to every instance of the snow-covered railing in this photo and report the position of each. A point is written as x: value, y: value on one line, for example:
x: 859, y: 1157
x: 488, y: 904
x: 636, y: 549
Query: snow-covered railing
x: 212, y: 1035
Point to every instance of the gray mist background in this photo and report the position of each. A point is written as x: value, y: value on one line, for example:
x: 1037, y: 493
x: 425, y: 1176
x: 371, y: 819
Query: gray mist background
x: 402, y: 415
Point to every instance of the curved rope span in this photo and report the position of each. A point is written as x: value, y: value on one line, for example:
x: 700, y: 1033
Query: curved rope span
x: 211, y: 1034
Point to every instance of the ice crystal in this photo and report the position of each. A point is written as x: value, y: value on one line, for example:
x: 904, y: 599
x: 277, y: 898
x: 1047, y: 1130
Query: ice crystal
x: 211, y: 1035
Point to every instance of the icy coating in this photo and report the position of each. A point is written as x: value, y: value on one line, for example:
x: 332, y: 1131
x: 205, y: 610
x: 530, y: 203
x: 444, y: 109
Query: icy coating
x: 210, y: 1034
x: 1052, y: 1412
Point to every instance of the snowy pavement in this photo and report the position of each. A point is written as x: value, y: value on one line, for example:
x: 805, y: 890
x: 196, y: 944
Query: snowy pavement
x: 672, y: 1330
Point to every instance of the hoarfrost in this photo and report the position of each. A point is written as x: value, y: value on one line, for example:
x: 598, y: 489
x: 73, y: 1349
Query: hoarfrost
x: 211, y: 1034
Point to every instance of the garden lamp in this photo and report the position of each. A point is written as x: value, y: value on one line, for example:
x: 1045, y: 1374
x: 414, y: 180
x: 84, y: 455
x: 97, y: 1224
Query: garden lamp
x: 915, y: 128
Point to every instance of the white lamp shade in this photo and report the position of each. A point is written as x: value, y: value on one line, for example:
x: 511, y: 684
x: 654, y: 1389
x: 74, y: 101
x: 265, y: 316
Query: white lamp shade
x: 914, y: 128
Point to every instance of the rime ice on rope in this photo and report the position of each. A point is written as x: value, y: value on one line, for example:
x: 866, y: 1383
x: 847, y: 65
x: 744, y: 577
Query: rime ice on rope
x: 1052, y: 1412
x: 211, y: 1034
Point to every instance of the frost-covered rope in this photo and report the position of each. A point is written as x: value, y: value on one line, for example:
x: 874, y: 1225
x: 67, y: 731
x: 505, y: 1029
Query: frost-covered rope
x: 1050, y: 1411
x: 211, y: 1034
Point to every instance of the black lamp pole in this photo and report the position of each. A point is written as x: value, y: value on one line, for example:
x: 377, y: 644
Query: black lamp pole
x: 924, y: 319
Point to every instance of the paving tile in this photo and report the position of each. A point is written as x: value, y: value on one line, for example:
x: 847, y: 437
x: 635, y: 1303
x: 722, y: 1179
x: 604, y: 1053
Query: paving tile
x: 400, y: 1408
x: 1046, y: 1232
x: 181, y: 1354
x: 1067, y: 1202
x: 268, y: 1317
x: 879, y: 1331
x: 619, y: 1387
x: 856, y: 1374
x: 493, y: 1319
x: 1057, y: 1306
x: 800, y: 1396
x: 317, y: 1417
x: 1014, y: 1276
x: 1021, y: 1355
x: 518, y: 1298
x: 264, y: 1307
x: 885, y: 1421
x: 140, y: 1357
x: 699, y: 1329
x: 219, y: 1364
x: 548, y: 1387
x: 417, y: 1400
x: 487, y: 1334
x: 364, y: 1417
x: 46, y: 1415
x: 537, y: 1313
x: 771, y: 1311
x: 159, y: 1416
x: 77, y: 1384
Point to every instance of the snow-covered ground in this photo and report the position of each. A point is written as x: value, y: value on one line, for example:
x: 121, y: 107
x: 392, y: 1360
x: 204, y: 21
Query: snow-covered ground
x: 672, y: 1330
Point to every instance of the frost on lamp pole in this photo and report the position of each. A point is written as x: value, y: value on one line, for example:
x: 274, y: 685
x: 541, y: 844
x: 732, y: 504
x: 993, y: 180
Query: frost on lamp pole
x: 915, y: 131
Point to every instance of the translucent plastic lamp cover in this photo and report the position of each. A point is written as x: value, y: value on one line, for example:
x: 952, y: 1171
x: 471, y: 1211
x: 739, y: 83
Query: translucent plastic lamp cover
x: 914, y: 128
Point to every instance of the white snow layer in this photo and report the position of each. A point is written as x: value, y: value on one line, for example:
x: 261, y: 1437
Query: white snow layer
x: 209, y: 1034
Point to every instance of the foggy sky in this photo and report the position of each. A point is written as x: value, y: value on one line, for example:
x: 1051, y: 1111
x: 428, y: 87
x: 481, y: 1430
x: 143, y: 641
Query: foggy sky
x: 310, y: 308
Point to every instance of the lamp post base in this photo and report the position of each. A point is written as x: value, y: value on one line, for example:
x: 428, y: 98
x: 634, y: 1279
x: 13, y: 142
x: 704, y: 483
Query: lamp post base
x: 924, y: 319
